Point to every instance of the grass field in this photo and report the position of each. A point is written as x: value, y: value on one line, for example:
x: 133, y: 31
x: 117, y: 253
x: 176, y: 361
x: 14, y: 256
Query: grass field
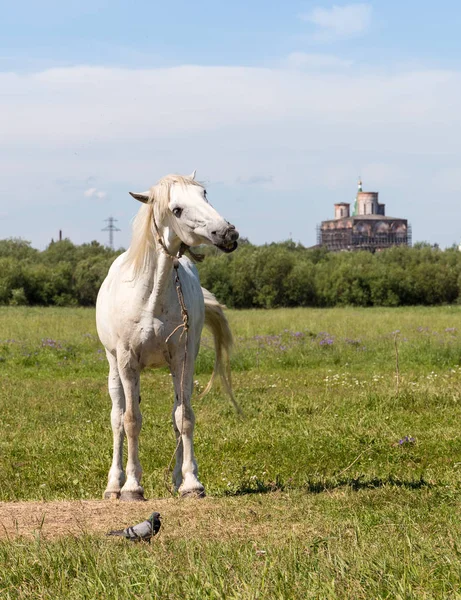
x: 342, y: 481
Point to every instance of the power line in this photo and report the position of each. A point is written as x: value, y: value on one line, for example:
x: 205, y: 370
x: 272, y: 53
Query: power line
x: 111, y: 228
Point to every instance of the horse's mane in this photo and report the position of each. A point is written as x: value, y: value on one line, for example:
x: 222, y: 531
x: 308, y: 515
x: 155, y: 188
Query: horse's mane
x: 141, y: 254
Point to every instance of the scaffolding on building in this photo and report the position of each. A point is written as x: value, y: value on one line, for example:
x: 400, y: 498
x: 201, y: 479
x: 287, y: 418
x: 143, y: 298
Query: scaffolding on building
x: 346, y: 239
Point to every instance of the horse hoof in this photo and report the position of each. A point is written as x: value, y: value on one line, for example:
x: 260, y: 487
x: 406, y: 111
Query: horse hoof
x: 132, y: 497
x: 111, y: 495
x: 193, y: 494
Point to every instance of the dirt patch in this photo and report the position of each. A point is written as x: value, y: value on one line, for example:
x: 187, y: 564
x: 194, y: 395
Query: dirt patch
x: 213, y: 518
x: 55, y: 519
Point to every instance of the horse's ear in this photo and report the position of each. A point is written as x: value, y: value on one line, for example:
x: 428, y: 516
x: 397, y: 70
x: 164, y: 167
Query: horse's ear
x: 192, y: 175
x: 143, y: 197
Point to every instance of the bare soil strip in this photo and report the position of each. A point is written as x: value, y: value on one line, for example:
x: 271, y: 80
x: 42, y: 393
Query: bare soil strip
x: 211, y: 518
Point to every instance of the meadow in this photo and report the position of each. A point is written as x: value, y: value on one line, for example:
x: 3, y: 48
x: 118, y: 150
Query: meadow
x: 342, y: 480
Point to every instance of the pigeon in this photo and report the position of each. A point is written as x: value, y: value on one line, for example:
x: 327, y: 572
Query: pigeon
x: 142, y: 532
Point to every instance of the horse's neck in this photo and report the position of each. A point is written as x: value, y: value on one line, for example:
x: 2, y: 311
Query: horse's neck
x: 160, y: 282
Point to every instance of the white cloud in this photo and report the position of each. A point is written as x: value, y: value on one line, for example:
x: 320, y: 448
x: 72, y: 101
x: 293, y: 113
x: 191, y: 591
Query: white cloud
x: 339, y: 22
x: 255, y: 179
x: 449, y: 180
x: 313, y: 130
x: 303, y: 60
x: 378, y: 174
x: 94, y: 192
x: 110, y: 107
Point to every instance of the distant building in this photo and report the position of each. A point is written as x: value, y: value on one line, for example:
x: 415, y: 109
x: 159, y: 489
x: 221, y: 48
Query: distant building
x: 367, y: 228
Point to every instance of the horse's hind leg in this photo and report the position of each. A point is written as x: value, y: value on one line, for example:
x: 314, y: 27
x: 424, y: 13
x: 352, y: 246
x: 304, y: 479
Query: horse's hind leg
x: 116, y: 477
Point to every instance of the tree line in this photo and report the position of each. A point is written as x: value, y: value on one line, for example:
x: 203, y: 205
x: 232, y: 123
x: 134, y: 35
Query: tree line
x: 269, y: 276
x: 62, y: 275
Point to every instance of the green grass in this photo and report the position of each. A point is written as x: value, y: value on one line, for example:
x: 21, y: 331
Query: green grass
x: 367, y: 544
x: 349, y: 511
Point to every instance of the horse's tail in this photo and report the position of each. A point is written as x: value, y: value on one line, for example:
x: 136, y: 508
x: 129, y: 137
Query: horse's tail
x: 217, y: 323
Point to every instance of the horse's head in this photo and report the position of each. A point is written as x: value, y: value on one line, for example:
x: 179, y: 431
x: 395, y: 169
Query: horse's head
x: 182, y: 212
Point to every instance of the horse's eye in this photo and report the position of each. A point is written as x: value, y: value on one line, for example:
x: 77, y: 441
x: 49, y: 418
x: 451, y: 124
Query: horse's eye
x: 177, y: 212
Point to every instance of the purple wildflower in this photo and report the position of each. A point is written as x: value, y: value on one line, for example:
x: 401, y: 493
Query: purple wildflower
x: 49, y: 343
x: 406, y: 440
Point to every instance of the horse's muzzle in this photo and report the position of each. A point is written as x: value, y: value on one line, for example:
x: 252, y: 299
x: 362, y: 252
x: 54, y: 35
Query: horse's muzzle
x: 227, y: 240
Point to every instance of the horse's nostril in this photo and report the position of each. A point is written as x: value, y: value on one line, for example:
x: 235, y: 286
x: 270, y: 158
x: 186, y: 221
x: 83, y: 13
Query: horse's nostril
x: 229, y: 233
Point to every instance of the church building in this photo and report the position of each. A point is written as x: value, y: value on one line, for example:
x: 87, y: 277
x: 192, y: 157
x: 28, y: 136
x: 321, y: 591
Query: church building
x: 366, y: 228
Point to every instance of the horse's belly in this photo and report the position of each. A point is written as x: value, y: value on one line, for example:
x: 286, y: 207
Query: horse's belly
x: 154, y: 360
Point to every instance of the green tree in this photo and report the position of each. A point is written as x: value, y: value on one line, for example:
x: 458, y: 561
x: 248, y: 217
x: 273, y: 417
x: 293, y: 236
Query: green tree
x: 89, y: 274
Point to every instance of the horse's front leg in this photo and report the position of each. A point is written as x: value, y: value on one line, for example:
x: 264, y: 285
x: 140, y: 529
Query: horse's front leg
x: 177, y: 471
x: 185, y: 474
x: 132, y: 421
x: 116, y: 476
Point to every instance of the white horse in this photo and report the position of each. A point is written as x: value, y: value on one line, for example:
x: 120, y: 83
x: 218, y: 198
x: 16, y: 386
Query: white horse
x: 145, y: 318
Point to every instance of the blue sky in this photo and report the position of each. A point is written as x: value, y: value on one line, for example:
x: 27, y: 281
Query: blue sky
x: 280, y: 106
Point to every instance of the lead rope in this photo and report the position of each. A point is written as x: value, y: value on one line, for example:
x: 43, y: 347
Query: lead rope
x: 185, y: 331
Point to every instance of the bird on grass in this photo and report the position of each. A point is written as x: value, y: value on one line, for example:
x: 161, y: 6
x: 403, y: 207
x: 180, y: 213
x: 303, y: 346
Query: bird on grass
x: 142, y: 532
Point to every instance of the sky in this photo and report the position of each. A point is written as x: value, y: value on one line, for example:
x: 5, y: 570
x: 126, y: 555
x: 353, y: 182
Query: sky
x: 280, y: 106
